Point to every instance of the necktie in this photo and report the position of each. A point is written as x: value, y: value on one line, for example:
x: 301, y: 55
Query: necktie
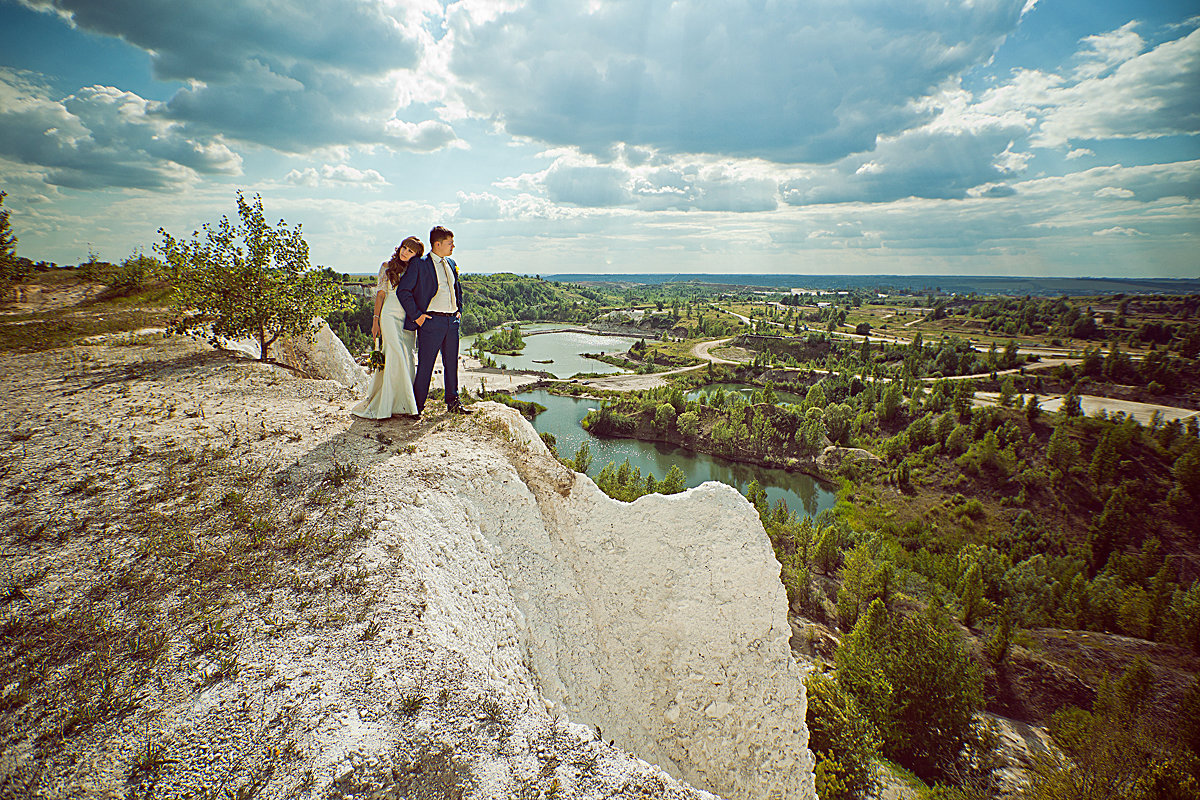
x: 449, y: 275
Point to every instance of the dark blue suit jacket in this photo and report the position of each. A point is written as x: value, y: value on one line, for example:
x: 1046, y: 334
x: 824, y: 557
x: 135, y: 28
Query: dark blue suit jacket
x: 419, y: 284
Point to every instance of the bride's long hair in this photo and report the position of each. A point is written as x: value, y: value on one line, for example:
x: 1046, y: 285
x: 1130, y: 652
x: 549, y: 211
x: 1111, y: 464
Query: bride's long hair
x: 397, y: 266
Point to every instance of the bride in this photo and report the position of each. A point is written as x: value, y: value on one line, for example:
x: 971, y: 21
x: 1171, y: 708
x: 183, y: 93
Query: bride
x: 391, y: 389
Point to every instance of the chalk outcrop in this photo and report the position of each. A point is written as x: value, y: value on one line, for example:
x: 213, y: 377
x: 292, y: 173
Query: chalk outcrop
x: 661, y: 622
x: 832, y: 458
x: 464, y: 617
x: 321, y: 355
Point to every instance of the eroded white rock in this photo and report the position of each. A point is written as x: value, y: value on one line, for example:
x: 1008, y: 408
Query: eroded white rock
x: 661, y: 622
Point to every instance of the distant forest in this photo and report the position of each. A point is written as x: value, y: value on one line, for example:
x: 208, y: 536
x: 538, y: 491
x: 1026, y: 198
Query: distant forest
x: 946, y: 284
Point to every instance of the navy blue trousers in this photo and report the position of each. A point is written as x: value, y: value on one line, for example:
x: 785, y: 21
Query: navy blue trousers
x: 437, y: 335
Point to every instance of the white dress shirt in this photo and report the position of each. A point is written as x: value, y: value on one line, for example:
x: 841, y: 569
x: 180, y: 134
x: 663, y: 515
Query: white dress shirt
x: 445, y: 300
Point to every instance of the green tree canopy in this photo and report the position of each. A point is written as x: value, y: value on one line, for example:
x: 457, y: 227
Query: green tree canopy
x: 915, y: 682
x: 248, y: 279
x: 842, y: 739
x: 12, y: 269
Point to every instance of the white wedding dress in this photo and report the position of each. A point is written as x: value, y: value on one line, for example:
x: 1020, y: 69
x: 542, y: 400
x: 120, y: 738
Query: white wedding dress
x: 391, y: 388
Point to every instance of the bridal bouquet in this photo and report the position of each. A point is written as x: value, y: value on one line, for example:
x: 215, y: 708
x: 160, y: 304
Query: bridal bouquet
x: 376, y: 361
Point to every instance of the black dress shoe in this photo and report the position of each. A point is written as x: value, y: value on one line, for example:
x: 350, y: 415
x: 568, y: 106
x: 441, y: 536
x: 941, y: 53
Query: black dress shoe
x: 458, y: 408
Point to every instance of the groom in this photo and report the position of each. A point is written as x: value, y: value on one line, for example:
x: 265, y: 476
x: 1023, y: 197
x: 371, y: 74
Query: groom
x: 432, y: 298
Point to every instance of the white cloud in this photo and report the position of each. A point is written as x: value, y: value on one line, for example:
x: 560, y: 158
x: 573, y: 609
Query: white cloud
x: 521, y: 208
x: 422, y: 137
x: 991, y: 190
x: 340, y: 173
x: 291, y: 75
x: 1113, y: 191
x: 1078, y: 152
x: 195, y: 40
x: 1146, y: 95
x: 1117, y: 230
x: 784, y: 83
x: 586, y: 184
x: 1107, y: 50
x: 933, y: 161
x: 651, y: 183
x: 101, y: 136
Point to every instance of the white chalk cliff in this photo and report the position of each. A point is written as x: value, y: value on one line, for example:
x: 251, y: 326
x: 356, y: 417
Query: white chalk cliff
x: 661, y: 622
x: 510, y: 594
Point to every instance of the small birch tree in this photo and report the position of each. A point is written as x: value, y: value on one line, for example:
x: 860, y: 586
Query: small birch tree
x: 248, y: 279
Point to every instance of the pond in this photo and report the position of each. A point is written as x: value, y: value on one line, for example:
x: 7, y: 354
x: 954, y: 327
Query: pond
x: 562, y: 349
x: 563, y: 414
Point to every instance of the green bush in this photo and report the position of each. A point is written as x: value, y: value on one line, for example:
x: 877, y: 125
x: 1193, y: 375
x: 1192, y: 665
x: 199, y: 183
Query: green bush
x: 893, y: 665
x: 664, y: 417
x: 842, y: 739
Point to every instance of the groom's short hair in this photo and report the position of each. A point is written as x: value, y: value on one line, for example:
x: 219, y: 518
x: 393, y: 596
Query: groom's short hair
x: 438, y: 233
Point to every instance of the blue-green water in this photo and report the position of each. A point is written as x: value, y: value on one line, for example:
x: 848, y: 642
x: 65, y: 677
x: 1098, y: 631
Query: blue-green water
x: 563, y: 414
x: 563, y: 349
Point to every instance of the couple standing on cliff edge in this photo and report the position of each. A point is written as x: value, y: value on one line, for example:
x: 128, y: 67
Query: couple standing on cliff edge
x: 418, y: 301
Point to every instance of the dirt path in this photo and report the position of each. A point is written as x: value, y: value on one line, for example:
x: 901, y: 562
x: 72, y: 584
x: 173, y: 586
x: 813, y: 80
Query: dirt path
x: 703, y: 350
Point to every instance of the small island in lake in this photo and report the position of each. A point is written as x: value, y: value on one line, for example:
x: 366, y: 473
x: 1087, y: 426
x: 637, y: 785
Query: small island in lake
x: 506, y: 342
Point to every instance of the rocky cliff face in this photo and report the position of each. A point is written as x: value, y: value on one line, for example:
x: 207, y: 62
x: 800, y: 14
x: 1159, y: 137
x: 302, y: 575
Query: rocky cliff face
x: 456, y: 615
x: 660, y: 622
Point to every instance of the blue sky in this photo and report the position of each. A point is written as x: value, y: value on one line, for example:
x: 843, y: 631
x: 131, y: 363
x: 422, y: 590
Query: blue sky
x: 987, y: 137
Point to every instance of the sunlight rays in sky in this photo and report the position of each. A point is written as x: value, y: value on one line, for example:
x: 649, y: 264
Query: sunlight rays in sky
x: 990, y: 137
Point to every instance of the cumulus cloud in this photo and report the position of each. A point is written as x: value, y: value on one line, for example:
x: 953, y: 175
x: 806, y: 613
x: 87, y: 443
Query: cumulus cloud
x: 651, y: 182
x: 703, y: 184
x: 586, y: 185
x: 340, y: 173
x: 485, y: 206
x: 1079, y: 152
x: 101, y: 136
x: 291, y: 75
x: 929, y: 162
x: 236, y: 42
x: 1148, y: 183
x: 783, y: 83
x: 991, y: 190
x: 1117, y: 230
x: 1104, y: 51
x: 1118, y: 92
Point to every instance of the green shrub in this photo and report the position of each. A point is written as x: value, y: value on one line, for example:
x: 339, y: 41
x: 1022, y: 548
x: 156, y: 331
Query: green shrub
x: 893, y: 664
x: 842, y: 739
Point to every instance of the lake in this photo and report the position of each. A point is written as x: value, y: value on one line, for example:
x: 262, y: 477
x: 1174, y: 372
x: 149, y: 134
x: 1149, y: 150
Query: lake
x: 563, y: 414
x: 563, y: 349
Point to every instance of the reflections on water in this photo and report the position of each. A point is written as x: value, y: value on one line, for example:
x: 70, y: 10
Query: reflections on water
x: 561, y: 418
x: 563, y: 349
